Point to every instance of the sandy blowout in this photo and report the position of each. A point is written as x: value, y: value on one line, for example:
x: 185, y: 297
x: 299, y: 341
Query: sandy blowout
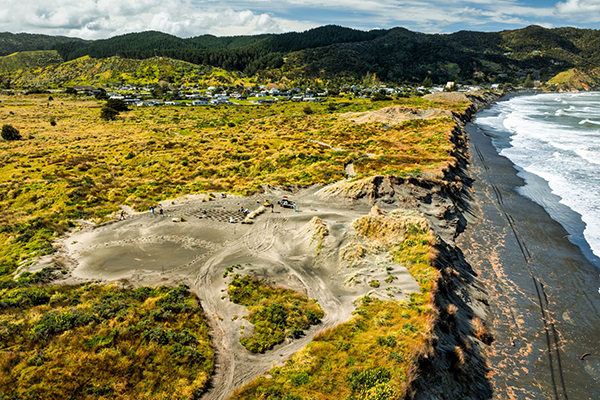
x: 325, y: 250
x: 395, y: 115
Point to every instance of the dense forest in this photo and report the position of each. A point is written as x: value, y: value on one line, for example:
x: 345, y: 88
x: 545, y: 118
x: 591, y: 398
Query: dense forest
x: 333, y: 52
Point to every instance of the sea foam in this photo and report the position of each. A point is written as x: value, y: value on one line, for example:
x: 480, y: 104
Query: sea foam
x: 557, y: 138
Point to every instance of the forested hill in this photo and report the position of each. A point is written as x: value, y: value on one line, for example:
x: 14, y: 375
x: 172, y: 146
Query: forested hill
x: 15, y: 42
x: 337, y: 53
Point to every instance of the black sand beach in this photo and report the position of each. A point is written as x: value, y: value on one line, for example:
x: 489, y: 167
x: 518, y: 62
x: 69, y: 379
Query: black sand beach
x: 543, y: 292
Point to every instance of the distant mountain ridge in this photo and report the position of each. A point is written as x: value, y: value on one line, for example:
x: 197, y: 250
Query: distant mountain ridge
x: 337, y: 53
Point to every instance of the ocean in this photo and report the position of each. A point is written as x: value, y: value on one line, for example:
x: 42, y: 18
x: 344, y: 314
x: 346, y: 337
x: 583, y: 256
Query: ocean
x: 554, y: 142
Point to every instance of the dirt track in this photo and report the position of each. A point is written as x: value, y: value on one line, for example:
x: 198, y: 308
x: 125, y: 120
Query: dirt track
x: 148, y: 249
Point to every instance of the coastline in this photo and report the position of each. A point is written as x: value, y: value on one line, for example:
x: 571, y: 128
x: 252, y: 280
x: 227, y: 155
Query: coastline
x: 537, y: 188
x: 543, y: 292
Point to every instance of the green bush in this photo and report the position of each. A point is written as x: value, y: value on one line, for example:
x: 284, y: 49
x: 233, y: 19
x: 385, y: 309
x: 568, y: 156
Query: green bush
x: 363, y: 380
x: 117, y: 105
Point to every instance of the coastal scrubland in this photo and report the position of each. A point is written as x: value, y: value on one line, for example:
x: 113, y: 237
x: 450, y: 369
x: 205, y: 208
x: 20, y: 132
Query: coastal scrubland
x: 72, y: 166
x: 95, y: 341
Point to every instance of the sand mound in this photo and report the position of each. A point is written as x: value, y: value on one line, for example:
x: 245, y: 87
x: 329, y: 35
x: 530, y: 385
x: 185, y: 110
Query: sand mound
x: 395, y: 115
x: 391, y: 228
x: 316, y: 230
x: 448, y: 97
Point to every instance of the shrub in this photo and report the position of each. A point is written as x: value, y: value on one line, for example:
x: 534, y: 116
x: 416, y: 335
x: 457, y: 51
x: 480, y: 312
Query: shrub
x: 362, y: 380
x: 108, y: 114
x: 307, y: 110
x: 9, y: 132
x: 52, y: 122
x: 380, y: 97
x: 300, y: 379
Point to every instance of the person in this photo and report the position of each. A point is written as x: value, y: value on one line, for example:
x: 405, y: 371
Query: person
x: 241, y: 209
x: 204, y: 211
x: 152, y: 210
x: 231, y: 220
x: 122, y: 216
x: 160, y: 211
x: 294, y: 205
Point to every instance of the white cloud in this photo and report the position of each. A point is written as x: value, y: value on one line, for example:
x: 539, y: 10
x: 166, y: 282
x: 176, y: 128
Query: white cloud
x: 104, y: 18
x: 589, y: 10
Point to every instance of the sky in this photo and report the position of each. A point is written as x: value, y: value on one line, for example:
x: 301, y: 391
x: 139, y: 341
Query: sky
x: 98, y: 19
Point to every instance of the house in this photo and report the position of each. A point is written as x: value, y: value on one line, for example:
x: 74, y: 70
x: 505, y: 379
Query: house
x: 199, y: 102
x: 220, y: 99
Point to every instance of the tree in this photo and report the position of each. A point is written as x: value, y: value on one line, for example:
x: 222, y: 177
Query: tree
x: 100, y: 94
x: 528, y: 82
x: 9, y: 132
x: 380, y: 97
x: 427, y: 82
x: 117, y: 105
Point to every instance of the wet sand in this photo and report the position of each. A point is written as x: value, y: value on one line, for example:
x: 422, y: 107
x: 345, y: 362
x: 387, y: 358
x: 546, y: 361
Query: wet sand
x: 544, y: 301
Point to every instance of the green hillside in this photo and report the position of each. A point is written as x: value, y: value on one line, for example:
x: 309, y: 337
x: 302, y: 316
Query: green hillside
x: 395, y: 55
x: 26, y: 60
x: 116, y: 70
x: 13, y: 43
x: 576, y: 79
x: 340, y: 54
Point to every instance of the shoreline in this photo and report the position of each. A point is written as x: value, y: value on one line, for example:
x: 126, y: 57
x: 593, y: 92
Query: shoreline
x: 538, y: 190
x: 543, y: 292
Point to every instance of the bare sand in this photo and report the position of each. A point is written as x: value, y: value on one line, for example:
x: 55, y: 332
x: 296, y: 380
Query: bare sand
x: 395, y: 115
x: 187, y: 246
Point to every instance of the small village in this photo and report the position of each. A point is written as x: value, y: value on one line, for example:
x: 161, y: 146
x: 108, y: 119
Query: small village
x: 148, y: 96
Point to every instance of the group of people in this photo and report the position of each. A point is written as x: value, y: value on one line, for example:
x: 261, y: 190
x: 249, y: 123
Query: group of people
x: 153, y: 211
x: 160, y: 211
